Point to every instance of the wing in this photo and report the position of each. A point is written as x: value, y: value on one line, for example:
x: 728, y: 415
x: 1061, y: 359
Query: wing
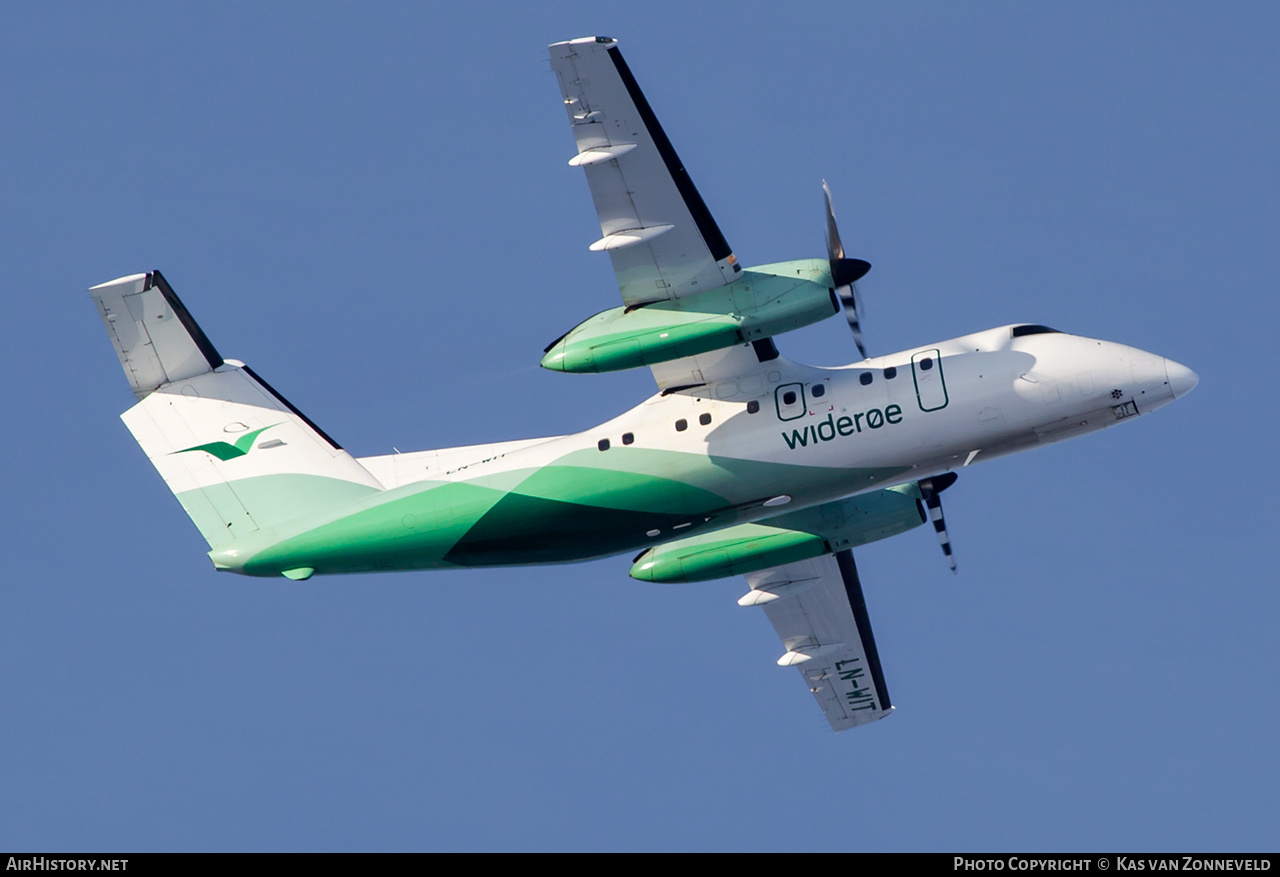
x: 662, y: 239
x: 816, y: 606
x: 708, y: 369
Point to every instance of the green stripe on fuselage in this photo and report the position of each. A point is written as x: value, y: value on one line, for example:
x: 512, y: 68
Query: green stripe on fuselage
x: 219, y: 510
x: 622, y: 490
x: 409, y: 528
x: 586, y: 504
x: 523, y: 529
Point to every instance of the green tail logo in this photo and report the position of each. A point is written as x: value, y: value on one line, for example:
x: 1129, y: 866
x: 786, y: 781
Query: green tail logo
x: 224, y: 451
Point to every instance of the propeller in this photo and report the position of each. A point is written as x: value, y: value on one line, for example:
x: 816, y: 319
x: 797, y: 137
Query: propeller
x: 929, y: 490
x: 844, y: 274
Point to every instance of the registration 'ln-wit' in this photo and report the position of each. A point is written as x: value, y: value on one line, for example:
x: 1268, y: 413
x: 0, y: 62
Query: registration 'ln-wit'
x: 743, y: 463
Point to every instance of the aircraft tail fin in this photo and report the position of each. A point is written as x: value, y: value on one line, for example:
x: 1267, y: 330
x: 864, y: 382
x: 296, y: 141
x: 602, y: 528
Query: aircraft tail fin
x: 237, y: 455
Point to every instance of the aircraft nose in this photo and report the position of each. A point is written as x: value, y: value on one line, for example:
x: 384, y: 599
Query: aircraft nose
x: 1182, y: 380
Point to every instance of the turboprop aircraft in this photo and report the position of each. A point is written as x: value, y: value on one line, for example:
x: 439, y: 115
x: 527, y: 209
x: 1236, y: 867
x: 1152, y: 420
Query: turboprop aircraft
x: 743, y: 463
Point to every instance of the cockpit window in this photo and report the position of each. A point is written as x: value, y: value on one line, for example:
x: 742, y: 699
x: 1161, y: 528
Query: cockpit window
x: 1029, y: 329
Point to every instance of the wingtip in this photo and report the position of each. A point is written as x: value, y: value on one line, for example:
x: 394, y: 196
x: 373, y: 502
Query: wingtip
x: 128, y: 278
x: 578, y: 41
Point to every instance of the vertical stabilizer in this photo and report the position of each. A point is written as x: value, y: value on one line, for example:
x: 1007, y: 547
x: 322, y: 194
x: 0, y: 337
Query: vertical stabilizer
x: 235, y: 453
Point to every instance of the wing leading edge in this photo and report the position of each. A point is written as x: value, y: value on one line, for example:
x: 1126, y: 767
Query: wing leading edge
x: 662, y: 239
x: 818, y: 610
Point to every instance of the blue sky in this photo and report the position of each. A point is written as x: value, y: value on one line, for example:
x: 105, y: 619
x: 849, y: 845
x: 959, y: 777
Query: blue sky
x: 370, y: 205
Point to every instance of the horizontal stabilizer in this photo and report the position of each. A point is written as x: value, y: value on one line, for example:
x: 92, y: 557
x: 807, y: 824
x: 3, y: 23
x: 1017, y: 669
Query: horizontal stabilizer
x: 154, y: 335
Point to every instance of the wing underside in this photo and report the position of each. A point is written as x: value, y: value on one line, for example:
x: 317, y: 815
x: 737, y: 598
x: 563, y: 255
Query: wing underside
x: 817, y: 608
x: 662, y: 239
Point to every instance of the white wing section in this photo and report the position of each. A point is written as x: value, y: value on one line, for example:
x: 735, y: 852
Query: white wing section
x: 816, y: 606
x: 717, y: 367
x: 662, y: 239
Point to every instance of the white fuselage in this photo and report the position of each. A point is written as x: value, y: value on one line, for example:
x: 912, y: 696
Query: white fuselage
x: 818, y: 434
x: 773, y: 438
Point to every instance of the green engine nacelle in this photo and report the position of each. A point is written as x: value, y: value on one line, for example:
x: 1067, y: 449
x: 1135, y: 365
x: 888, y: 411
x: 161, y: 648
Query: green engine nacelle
x: 764, y: 301
x: 729, y: 552
x: 787, y: 538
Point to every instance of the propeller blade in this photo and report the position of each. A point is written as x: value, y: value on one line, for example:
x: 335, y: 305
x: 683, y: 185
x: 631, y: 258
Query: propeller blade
x: 844, y: 274
x: 835, y: 249
x: 851, y: 301
x: 929, y: 490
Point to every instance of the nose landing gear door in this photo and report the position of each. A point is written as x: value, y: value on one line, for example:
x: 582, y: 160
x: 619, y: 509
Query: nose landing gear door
x: 931, y: 387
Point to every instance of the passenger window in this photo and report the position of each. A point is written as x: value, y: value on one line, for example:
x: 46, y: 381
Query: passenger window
x: 753, y: 406
x: 682, y: 425
x: 890, y: 373
x: 819, y: 390
x: 789, y: 399
x: 704, y: 419
x: 603, y: 444
x: 865, y: 378
x: 628, y: 438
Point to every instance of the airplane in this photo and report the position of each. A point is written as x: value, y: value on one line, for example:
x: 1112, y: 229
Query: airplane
x: 743, y: 463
